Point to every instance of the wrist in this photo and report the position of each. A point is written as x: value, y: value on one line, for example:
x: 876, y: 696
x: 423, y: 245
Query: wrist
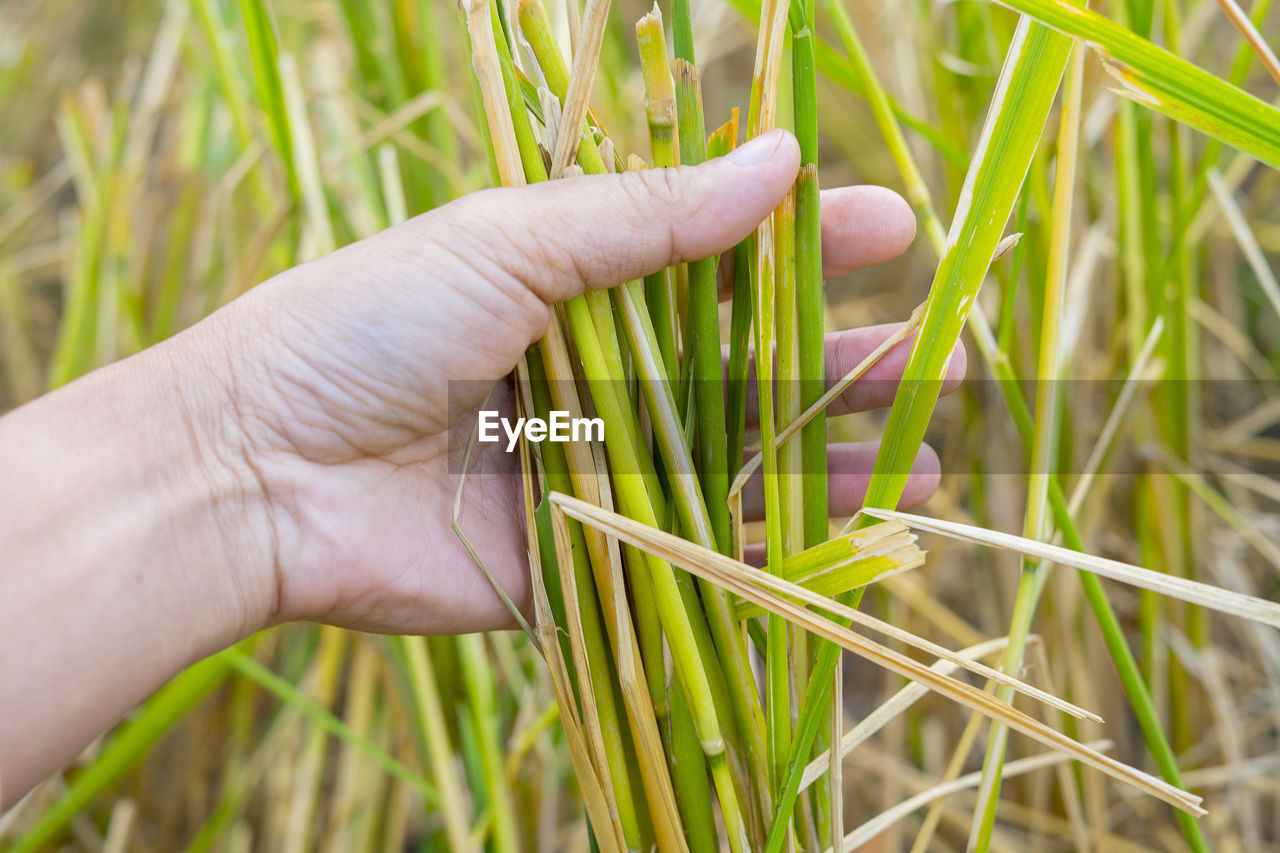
x: 133, y: 548
x: 218, y: 498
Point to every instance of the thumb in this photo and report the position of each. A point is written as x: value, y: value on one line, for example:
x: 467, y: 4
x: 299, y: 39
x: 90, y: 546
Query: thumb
x: 562, y: 237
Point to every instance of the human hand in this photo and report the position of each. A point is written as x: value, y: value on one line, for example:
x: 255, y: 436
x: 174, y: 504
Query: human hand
x: 338, y: 374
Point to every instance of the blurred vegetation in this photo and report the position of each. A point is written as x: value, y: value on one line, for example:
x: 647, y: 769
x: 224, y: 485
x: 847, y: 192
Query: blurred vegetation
x: 157, y: 159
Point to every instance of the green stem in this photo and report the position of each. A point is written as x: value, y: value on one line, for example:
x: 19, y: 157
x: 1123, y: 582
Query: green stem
x: 660, y: 107
x: 264, y: 53
x: 682, y: 30
x: 552, y: 346
x: 603, y: 676
x: 476, y: 675
x: 720, y: 143
x: 127, y: 746
x: 703, y: 336
x: 1179, y: 410
x: 789, y: 478
x: 433, y: 728
x: 1026, y: 87
x: 690, y: 779
x: 638, y: 503
x: 1045, y: 437
x: 810, y: 314
x: 777, y: 687
x: 739, y: 341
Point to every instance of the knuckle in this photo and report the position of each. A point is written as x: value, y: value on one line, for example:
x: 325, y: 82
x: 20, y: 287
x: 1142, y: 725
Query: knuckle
x: 666, y: 187
x: 496, y: 239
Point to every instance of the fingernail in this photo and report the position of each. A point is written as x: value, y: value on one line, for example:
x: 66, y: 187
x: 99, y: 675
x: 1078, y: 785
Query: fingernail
x: 757, y: 151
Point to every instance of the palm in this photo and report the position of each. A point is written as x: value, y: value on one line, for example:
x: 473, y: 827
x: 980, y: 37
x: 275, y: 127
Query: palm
x: 391, y: 559
x: 375, y: 452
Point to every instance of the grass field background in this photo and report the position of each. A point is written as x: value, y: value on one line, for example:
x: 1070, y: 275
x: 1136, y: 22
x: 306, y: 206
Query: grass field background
x: 158, y: 159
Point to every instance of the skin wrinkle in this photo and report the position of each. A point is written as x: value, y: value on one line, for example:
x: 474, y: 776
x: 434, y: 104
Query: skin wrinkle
x: 473, y: 588
x: 664, y: 186
x: 425, y: 258
x: 277, y: 337
x: 339, y: 386
x: 235, y: 386
x: 535, y: 313
x: 282, y: 504
x: 319, y: 385
x: 647, y: 196
x: 313, y: 532
x: 313, y: 339
x: 207, y: 449
x: 477, y: 261
x: 284, y: 390
x: 476, y: 232
x: 308, y: 514
x: 277, y: 570
x: 539, y: 257
x: 302, y: 517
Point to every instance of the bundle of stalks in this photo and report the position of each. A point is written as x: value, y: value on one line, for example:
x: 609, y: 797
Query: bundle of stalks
x: 637, y: 550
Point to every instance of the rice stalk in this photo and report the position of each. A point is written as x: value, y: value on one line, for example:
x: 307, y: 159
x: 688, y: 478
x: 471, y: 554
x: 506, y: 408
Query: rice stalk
x: 814, y: 411
x: 1252, y: 37
x: 1196, y: 483
x: 169, y: 705
x: 237, y: 100
x: 599, y: 349
x: 1047, y: 421
x: 585, y: 56
x: 734, y: 681
x: 479, y: 687
x: 609, y: 832
x: 1244, y: 235
x: 899, y: 553
x: 1194, y: 592
x: 754, y: 585
x: 269, y: 88
x: 664, y: 148
x: 869, y: 830
x: 655, y: 786
x: 1030, y: 76
x: 331, y: 655
x: 1161, y: 81
x: 895, y: 705
x: 919, y: 194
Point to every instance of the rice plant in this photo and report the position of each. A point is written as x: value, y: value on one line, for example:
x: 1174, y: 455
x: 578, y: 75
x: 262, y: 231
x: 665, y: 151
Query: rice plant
x: 1094, y: 188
